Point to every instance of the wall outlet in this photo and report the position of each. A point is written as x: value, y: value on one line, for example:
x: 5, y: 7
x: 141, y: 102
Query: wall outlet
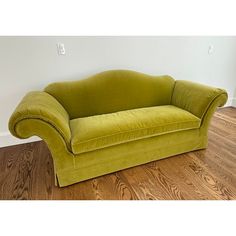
x: 61, y: 49
x: 210, y: 49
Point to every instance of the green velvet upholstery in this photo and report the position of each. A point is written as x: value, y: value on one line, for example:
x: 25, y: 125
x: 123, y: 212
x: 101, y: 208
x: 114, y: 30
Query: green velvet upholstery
x: 115, y: 120
x: 44, y: 107
x: 193, y: 97
x: 100, y: 131
x: 112, y: 91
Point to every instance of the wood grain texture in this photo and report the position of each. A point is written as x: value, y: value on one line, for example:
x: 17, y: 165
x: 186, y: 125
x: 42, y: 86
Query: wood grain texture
x: 26, y: 172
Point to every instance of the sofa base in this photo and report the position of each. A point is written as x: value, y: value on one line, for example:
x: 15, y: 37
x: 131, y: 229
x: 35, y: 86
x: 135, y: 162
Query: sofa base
x: 108, y: 160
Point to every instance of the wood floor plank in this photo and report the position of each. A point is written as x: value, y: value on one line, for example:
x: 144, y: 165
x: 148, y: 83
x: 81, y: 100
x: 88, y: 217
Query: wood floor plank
x: 182, y: 163
x: 213, y: 162
x: 208, y: 179
x: 143, y: 184
x: 116, y: 187
x: 26, y: 172
x: 177, y: 169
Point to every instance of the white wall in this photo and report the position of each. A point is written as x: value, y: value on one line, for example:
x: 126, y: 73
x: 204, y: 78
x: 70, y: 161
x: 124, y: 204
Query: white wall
x: 30, y: 63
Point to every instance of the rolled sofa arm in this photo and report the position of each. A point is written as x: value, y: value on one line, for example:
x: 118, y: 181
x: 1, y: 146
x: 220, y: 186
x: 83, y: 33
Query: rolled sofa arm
x: 197, y: 98
x: 43, y: 107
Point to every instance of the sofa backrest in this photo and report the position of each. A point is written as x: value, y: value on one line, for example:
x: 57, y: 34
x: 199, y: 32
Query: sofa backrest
x: 112, y: 91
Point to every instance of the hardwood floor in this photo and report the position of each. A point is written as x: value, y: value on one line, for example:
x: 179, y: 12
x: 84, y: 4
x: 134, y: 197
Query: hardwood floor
x: 26, y: 172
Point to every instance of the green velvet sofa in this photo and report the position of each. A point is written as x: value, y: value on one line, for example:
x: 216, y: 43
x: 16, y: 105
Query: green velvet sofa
x: 115, y: 120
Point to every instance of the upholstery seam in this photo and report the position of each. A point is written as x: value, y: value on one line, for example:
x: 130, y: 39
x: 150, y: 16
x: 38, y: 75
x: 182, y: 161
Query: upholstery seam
x: 53, y: 126
x: 87, y: 166
x: 104, y: 136
x: 209, y: 105
x: 136, y: 139
x: 172, y: 93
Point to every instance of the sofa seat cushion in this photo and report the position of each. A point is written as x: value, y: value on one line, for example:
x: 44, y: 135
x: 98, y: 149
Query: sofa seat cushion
x: 100, y: 131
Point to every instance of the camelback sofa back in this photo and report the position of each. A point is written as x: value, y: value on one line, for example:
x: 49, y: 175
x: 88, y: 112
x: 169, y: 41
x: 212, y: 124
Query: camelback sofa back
x: 112, y: 91
x: 115, y: 120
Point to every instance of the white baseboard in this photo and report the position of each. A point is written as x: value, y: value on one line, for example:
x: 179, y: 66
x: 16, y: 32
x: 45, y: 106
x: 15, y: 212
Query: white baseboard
x: 6, y: 139
x: 231, y: 102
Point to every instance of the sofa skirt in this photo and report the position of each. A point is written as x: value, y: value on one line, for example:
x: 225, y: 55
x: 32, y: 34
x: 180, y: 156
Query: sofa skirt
x: 111, y: 159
